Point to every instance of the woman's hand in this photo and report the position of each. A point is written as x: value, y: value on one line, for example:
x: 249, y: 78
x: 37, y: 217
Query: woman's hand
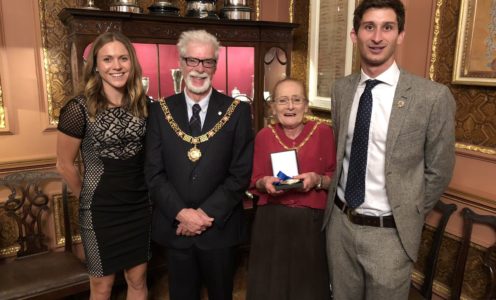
x: 310, y: 180
x: 67, y: 151
x: 266, y: 184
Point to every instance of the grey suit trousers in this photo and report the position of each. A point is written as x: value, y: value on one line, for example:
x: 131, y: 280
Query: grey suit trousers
x: 366, y: 262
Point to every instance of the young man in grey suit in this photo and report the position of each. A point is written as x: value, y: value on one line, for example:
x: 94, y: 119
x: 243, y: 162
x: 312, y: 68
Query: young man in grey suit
x: 395, y: 157
x: 199, y: 151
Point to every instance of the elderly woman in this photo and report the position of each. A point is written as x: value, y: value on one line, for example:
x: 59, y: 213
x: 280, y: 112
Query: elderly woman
x: 287, y: 258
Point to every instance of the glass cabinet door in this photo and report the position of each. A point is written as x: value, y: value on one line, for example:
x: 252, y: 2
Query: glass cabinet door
x: 240, y: 74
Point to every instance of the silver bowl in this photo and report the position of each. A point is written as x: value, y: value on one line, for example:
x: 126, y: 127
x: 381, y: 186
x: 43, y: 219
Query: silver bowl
x: 125, y: 8
x: 201, y: 9
x: 124, y: 2
x: 235, y: 2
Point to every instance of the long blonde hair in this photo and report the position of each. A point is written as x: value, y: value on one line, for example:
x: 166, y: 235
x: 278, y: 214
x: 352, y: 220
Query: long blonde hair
x: 134, y: 99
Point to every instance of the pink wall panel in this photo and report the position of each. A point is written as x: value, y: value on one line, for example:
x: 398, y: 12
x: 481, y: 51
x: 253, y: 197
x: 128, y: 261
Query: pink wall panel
x: 219, y: 82
x: 147, y: 56
x: 168, y: 60
x: 241, y: 68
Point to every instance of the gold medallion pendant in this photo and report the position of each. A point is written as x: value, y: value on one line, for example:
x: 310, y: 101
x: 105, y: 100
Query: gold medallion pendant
x: 194, y: 154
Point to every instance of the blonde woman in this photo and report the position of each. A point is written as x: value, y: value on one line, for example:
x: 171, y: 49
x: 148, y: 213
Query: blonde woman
x: 107, y: 123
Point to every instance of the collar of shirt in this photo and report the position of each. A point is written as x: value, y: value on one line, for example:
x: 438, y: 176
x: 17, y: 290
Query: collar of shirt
x: 203, y: 102
x: 203, y: 105
x: 389, y: 77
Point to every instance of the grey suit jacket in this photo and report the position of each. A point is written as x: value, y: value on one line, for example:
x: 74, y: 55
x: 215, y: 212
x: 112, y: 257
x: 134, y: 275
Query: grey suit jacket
x: 420, y: 150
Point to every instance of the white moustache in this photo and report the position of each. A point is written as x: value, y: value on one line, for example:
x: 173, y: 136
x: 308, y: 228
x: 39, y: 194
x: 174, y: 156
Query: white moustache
x: 198, y: 74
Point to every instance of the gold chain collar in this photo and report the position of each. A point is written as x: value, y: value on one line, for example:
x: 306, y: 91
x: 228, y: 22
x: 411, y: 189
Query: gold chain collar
x: 194, y: 153
x: 298, y: 146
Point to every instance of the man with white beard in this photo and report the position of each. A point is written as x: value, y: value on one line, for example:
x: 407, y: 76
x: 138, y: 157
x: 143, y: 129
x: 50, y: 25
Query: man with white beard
x: 199, y: 150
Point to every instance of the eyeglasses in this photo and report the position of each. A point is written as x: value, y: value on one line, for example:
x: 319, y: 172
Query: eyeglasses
x: 193, y: 62
x: 284, y: 101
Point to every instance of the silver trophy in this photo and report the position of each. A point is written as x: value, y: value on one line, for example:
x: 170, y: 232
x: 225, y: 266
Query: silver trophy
x: 177, y: 78
x: 90, y: 4
x: 146, y: 83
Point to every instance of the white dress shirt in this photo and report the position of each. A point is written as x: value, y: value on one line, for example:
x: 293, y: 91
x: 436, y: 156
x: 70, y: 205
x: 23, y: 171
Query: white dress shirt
x: 203, y: 105
x: 376, y: 202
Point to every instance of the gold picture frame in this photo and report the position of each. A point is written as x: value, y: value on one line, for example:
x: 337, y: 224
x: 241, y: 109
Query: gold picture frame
x: 475, y: 55
x: 331, y: 51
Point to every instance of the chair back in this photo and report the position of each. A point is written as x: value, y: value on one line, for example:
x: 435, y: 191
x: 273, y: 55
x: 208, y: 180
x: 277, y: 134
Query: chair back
x: 28, y: 204
x: 488, y: 259
x: 446, y: 211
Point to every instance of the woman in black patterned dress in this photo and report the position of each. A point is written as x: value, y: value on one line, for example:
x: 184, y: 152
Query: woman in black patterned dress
x: 107, y: 123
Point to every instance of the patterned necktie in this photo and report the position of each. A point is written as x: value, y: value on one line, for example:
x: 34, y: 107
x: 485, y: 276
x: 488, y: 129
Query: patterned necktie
x: 355, y: 185
x: 195, y: 121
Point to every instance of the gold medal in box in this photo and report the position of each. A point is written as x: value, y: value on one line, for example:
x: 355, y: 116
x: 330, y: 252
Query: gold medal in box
x: 285, y: 166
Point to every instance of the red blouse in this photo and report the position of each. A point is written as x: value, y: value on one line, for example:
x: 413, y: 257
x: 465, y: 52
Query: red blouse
x: 317, y: 155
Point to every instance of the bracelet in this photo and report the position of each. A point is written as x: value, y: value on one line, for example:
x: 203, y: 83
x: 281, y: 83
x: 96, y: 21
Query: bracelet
x: 319, y: 185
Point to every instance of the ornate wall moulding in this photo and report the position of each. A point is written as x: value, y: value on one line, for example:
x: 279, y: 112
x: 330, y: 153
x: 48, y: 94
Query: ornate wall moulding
x: 299, y: 14
x: 58, y: 217
x: 55, y: 57
x: 8, y: 236
x: 484, y: 150
x: 4, y: 124
x: 463, y: 198
x: 27, y: 165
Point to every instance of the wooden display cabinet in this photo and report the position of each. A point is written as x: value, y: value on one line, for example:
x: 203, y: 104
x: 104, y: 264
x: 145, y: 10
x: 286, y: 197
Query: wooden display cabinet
x: 255, y: 54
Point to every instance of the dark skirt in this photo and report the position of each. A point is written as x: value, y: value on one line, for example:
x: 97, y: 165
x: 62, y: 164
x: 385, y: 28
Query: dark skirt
x: 287, y: 256
x: 115, y: 230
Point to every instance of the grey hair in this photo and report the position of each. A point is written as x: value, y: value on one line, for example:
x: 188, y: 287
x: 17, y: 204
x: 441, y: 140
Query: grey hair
x: 199, y: 36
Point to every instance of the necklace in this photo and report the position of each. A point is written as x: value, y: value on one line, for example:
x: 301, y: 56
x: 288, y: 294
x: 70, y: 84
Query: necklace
x: 298, y: 146
x: 194, y: 153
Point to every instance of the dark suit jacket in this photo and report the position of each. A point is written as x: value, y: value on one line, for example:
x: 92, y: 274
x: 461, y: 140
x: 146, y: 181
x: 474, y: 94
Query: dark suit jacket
x: 215, y: 183
x: 420, y: 149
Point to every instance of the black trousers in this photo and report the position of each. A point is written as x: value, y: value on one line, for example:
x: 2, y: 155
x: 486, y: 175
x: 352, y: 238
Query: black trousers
x: 191, y: 268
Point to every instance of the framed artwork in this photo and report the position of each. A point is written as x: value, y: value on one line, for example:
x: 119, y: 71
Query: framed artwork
x: 475, y: 56
x: 330, y: 48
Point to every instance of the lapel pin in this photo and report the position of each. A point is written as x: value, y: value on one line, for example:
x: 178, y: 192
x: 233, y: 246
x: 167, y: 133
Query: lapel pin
x: 401, y: 103
x: 219, y: 113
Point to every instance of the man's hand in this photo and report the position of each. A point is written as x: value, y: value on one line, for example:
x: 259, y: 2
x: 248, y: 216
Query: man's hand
x: 192, y: 221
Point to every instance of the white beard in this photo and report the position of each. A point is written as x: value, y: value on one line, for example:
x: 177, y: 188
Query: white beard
x: 198, y: 89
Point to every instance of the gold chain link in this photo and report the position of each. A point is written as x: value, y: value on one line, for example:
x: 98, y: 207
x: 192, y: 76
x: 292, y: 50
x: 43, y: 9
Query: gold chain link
x: 301, y: 144
x: 204, y: 137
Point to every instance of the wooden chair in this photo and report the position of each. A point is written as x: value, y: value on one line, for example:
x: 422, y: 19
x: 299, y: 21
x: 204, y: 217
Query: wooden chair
x: 425, y: 291
x: 488, y: 260
x: 37, y: 272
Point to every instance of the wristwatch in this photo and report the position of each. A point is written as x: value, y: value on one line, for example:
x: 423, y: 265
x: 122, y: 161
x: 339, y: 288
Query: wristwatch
x: 319, y: 185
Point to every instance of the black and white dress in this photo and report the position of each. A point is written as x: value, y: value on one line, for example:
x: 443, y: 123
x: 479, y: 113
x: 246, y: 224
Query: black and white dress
x: 114, y: 209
